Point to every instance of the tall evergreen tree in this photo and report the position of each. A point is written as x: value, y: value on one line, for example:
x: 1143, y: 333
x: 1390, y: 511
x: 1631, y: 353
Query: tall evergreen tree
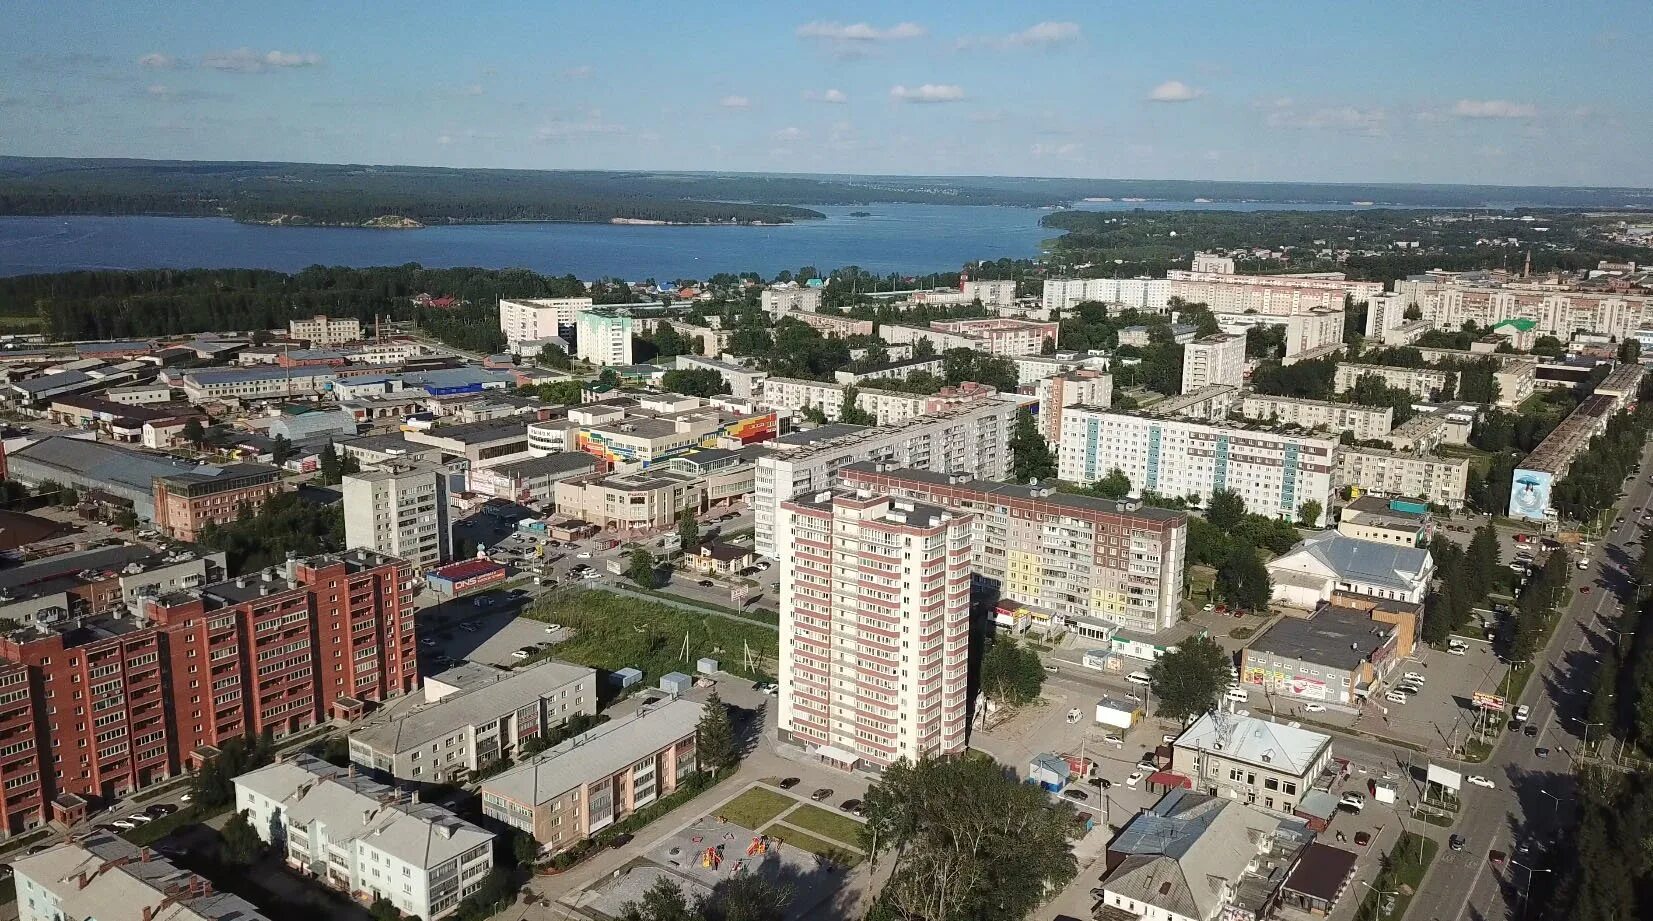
x: 715, y: 737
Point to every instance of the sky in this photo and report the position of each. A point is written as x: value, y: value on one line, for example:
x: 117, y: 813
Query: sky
x: 1520, y: 93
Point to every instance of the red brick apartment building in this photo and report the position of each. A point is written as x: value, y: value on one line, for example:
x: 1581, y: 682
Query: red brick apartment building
x: 93, y: 708
x: 185, y: 503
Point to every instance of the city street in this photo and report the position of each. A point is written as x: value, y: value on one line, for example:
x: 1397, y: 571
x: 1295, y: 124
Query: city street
x: 1533, y: 796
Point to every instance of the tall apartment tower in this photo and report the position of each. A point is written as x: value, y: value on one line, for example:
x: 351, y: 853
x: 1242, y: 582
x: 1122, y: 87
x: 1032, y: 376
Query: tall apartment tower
x: 603, y: 337
x: 400, y: 510
x: 1214, y: 359
x: 875, y: 628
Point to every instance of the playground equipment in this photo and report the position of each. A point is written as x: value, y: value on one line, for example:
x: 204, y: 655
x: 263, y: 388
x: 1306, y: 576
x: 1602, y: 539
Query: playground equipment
x: 759, y: 845
x: 711, y: 859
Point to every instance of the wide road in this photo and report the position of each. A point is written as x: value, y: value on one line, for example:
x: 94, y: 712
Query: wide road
x: 1534, y: 795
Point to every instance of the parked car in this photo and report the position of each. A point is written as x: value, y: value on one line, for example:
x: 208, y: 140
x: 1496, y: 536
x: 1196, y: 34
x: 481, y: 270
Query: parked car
x: 1363, y: 838
x: 820, y: 794
x: 1541, y: 752
x: 1134, y: 779
x: 1073, y: 715
x: 1353, y: 801
x: 1051, y: 667
x: 522, y: 653
x: 1497, y: 859
x: 852, y: 806
x: 1414, y: 676
x: 705, y: 583
x: 1314, y: 708
x: 1456, y: 842
x: 1480, y: 781
x: 1147, y: 763
x: 788, y: 783
x: 1139, y: 678
x: 1395, y: 697
x: 1522, y: 712
x: 140, y: 818
x: 1531, y: 730
x: 1078, y: 796
x: 1457, y: 651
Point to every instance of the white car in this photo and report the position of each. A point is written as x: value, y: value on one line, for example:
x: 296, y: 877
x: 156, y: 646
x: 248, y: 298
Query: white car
x: 520, y: 654
x: 122, y: 823
x: 1209, y: 607
x: 1457, y: 651
x: 1314, y: 708
x: 1480, y: 781
x: 1522, y: 712
x: 1134, y: 779
x: 1395, y: 697
x: 583, y: 554
x: 1073, y: 715
x: 1139, y: 678
x: 1353, y: 800
x: 1414, y: 677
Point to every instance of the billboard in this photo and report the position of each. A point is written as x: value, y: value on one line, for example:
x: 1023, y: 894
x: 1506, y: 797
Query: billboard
x: 1488, y: 702
x: 1530, y: 494
x: 1304, y: 686
x: 1451, y: 780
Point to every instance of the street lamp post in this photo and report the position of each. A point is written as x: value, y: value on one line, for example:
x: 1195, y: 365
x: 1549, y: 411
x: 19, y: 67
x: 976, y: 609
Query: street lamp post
x: 1555, y: 816
x: 1383, y: 892
x: 1586, y: 724
x: 1526, y: 890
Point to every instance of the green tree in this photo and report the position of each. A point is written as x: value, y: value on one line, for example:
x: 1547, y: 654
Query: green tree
x: 641, y: 569
x: 688, y: 531
x: 694, y: 382
x: 1242, y: 579
x: 383, y: 910
x: 968, y: 841
x: 1412, y: 312
x: 1011, y: 674
x: 524, y: 849
x: 1309, y: 513
x: 1481, y: 561
x: 332, y: 469
x: 662, y: 901
x: 281, y: 450
x: 747, y: 897
x: 1630, y: 350
x: 242, y: 846
x: 561, y: 392
x: 715, y: 748
x: 1031, y: 459
x: 195, y: 433
x: 1189, y: 680
x: 852, y: 413
x: 1116, y: 485
x: 1226, y: 510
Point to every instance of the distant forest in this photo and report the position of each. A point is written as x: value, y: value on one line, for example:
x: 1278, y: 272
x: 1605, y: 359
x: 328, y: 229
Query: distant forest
x: 344, y: 194
x: 1140, y: 242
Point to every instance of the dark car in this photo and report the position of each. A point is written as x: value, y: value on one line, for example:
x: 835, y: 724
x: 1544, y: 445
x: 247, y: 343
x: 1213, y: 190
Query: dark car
x: 1363, y: 838
x: 820, y: 794
x: 705, y: 583
x: 1076, y: 794
x: 1531, y: 730
x: 788, y: 783
x: 1101, y: 783
x: 1456, y: 842
x: 852, y: 806
x: 161, y: 809
x: 1541, y: 752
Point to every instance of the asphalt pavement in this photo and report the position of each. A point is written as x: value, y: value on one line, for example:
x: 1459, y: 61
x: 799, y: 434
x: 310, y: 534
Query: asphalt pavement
x: 1534, y: 794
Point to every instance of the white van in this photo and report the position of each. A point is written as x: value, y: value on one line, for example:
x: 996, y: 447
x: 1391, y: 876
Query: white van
x: 1238, y: 695
x: 1395, y: 697
x: 1139, y: 678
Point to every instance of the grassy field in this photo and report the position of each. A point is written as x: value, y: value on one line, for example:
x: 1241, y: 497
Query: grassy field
x: 612, y: 632
x: 826, y: 823
x: 756, y: 807
x: 792, y: 838
x: 1479, y: 460
x: 1402, y: 875
x: 1200, y: 579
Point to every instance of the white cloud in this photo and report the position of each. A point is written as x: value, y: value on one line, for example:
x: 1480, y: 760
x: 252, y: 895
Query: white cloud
x: 578, y: 73
x: 835, y: 97
x: 156, y: 60
x: 1173, y: 91
x: 860, y: 32
x: 248, y: 61
x: 735, y: 102
x: 929, y: 92
x: 1285, y: 114
x: 444, y: 139
x: 1065, y: 151
x: 1038, y: 35
x: 1493, y: 108
x: 789, y: 134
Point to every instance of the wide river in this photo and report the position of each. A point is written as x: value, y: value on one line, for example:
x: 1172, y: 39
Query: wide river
x: 891, y: 238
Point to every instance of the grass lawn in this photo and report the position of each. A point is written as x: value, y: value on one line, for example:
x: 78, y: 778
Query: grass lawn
x: 612, y: 632
x: 756, y: 807
x: 823, y: 822
x: 1200, y: 580
x: 1402, y: 875
x: 792, y: 838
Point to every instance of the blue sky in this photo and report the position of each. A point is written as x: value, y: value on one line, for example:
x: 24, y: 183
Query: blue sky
x: 1520, y: 92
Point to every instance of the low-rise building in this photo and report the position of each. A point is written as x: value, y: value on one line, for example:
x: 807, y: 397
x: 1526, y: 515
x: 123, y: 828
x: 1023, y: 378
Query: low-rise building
x: 358, y: 836
x: 324, y: 332
x: 103, y: 877
x: 139, y: 394
x: 743, y: 382
x: 185, y: 503
x: 532, y: 481
x: 1428, y: 384
x: 1440, y: 480
x: 483, y: 444
x: 1402, y: 522
x: 1363, y: 422
x: 1329, y: 563
x: 574, y: 790
x: 491, y: 718
x: 1266, y: 764
x: 1337, y: 655
x: 1150, y: 294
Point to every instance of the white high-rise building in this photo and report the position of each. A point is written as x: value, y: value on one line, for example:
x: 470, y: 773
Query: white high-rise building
x: 400, y: 510
x: 603, y: 337
x: 530, y: 319
x: 990, y: 293
x: 972, y: 440
x: 875, y: 628
x: 1216, y: 360
x: 1306, y: 332
x: 1211, y: 262
x: 1275, y: 472
x: 790, y: 297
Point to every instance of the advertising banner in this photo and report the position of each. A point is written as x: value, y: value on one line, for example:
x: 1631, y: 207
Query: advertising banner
x: 1530, y: 494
